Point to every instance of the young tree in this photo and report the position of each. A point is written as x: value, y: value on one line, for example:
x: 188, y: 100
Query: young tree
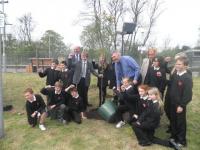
x: 53, y: 43
x: 25, y: 28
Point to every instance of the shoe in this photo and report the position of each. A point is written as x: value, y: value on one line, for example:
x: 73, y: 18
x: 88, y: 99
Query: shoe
x: 64, y: 121
x: 174, y: 144
x: 145, y: 144
x: 42, y: 127
x: 120, y: 124
x: 89, y: 105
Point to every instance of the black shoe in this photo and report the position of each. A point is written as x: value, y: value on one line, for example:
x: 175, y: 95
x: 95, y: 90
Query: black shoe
x: 89, y: 105
x: 145, y: 144
x: 168, y: 130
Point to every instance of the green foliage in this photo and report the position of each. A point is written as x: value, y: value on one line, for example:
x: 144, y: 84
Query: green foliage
x: 53, y: 41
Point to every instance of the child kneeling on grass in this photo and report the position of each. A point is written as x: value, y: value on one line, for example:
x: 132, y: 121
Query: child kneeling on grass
x: 149, y: 120
x: 74, y: 109
x: 35, y: 108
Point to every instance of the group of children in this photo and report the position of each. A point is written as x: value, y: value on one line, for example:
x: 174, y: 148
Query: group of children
x: 140, y: 106
x: 143, y: 110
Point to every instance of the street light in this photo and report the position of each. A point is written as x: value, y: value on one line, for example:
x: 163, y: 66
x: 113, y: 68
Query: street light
x: 128, y: 28
x: 1, y: 97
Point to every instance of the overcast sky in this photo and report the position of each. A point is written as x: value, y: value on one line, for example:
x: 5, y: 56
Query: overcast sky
x: 179, y: 22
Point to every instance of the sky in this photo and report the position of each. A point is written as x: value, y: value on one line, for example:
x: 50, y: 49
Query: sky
x: 179, y: 22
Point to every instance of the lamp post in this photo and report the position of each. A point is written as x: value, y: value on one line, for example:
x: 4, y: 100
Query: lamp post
x: 49, y: 46
x: 3, y: 38
x: 1, y: 97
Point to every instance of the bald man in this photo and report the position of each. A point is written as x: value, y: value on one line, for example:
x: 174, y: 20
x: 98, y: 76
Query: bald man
x: 125, y: 66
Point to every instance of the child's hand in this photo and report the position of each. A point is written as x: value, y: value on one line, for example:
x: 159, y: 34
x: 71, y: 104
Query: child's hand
x: 52, y: 106
x: 179, y: 109
x: 40, y: 70
x: 33, y: 114
x: 135, y: 116
x: 48, y: 86
x: 100, y: 75
x: 138, y: 123
x: 72, y: 86
x: 135, y: 82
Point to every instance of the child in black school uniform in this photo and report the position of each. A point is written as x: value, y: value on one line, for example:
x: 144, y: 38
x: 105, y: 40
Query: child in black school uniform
x: 180, y: 95
x: 57, y: 101
x: 51, y: 73
x: 128, y: 105
x: 74, y: 110
x: 35, y: 108
x: 157, y: 76
x: 148, y: 120
x: 143, y: 101
x: 65, y: 75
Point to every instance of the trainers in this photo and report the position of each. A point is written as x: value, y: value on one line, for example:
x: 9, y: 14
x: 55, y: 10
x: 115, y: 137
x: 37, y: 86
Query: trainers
x: 42, y: 127
x: 64, y: 121
x: 174, y: 144
x: 120, y: 124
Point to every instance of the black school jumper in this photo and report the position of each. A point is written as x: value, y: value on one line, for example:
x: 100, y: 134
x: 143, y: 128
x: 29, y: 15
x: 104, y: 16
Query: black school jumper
x: 129, y: 104
x: 37, y: 105
x: 74, y: 108
x: 102, y: 83
x: 55, y: 99
x: 51, y: 74
x: 66, y: 77
x: 180, y: 95
x: 157, y: 78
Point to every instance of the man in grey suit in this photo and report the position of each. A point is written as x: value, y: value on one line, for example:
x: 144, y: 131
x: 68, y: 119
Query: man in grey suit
x: 82, y: 76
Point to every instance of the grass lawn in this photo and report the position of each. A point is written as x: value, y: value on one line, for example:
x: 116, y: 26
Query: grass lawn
x: 90, y: 135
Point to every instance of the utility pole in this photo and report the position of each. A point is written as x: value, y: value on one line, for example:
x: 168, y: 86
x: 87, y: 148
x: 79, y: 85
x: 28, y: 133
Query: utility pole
x: 1, y: 97
x: 49, y: 46
x: 2, y: 2
x: 2, y: 61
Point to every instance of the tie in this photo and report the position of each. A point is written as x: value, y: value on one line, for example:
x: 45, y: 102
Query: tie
x: 84, y: 69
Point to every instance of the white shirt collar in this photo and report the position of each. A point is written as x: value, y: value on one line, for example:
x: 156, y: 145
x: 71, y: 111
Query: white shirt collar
x: 127, y: 88
x: 33, y: 100
x: 155, y: 101
x: 181, y: 73
x: 57, y: 92
x: 156, y: 68
x: 76, y: 96
x: 65, y: 70
x: 144, y: 97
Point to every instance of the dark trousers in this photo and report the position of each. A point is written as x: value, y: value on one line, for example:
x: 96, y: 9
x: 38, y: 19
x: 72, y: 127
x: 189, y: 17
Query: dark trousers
x: 146, y: 135
x: 167, y: 104
x: 102, y: 95
x: 57, y: 112
x: 83, y: 92
x: 73, y: 115
x: 178, y: 125
x: 122, y: 113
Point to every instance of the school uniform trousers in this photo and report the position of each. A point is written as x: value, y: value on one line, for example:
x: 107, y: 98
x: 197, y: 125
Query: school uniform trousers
x: 180, y: 95
x: 58, y: 99
x: 73, y: 109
